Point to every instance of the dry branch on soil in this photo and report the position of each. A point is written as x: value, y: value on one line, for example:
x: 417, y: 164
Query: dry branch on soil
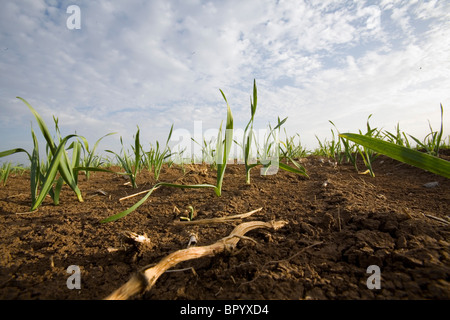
x: 145, y: 279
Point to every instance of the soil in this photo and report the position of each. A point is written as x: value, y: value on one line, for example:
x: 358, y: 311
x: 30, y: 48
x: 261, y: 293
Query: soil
x: 339, y: 222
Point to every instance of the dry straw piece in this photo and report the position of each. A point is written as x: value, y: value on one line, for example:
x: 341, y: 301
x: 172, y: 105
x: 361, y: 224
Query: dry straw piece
x: 218, y: 220
x: 146, y: 278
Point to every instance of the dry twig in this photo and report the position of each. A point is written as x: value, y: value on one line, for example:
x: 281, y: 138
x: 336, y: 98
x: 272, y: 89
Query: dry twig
x: 136, y: 194
x: 437, y: 219
x: 218, y: 220
x: 145, y: 279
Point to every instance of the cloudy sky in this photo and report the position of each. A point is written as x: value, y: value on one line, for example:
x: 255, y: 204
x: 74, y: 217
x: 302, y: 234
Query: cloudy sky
x: 156, y: 63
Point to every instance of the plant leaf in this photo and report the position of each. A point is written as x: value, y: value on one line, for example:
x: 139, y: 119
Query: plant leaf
x: 412, y: 157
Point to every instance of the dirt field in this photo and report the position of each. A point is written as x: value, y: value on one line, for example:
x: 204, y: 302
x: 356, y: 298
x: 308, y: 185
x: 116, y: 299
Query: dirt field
x: 338, y: 224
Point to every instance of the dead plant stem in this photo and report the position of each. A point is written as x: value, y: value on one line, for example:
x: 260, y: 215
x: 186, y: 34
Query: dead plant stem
x: 218, y: 220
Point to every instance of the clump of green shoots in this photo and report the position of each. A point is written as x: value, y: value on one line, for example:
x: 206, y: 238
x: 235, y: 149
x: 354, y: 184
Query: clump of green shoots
x: 432, y: 141
x: 340, y: 149
x: 269, y: 154
x: 90, y: 158
x: 208, y: 152
x: 344, y: 150
x: 398, y: 138
x: 131, y: 166
x: 155, y: 158
x: 292, y: 150
x: 369, y: 155
x: 330, y: 149
x: 47, y: 177
x: 5, y: 170
x: 58, y: 162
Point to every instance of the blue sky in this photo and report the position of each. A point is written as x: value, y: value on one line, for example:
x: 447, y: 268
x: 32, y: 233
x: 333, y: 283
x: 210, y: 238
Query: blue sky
x: 156, y: 63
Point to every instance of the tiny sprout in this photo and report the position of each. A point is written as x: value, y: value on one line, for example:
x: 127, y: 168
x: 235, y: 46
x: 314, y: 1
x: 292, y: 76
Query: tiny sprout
x: 191, y: 215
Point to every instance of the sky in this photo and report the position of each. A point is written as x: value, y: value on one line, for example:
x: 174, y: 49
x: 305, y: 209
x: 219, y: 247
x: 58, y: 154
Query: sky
x: 114, y: 66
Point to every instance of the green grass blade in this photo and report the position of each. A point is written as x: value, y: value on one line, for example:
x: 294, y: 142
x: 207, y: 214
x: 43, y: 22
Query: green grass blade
x: 131, y: 209
x: 96, y: 169
x: 280, y: 123
x: 223, y: 149
x: 76, y: 158
x: 299, y: 168
x: 86, y: 144
x: 35, y: 174
x: 5, y: 171
x: 412, y: 157
x: 137, y: 153
x: 66, y: 172
x: 169, y: 136
x: 57, y: 191
x: 42, y: 125
x: 442, y: 127
x: 13, y: 151
x: 255, y: 99
x: 156, y: 186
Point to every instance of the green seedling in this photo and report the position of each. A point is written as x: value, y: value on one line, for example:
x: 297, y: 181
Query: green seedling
x: 369, y: 155
x: 223, y: 148
x: 63, y: 164
x: 249, y: 136
x: 208, y: 153
x: 330, y: 149
x: 155, y: 158
x: 5, y: 170
x: 90, y: 159
x: 41, y: 184
x: 399, y: 137
x: 130, y: 166
x: 345, y: 150
x: 57, y: 163
x: 432, y: 142
x: 270, y: 154
x: 48, y: 177
x: 292, y: 150
x: 191, y: 215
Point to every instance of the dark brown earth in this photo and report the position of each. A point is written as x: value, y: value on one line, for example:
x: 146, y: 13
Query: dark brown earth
x: 335, y: 231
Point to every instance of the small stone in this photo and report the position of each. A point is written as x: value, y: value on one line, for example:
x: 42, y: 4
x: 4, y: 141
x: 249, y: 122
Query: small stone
x: 433, y: 184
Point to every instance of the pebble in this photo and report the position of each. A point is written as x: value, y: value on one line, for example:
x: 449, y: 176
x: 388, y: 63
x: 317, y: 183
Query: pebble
x: 431, y: 184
